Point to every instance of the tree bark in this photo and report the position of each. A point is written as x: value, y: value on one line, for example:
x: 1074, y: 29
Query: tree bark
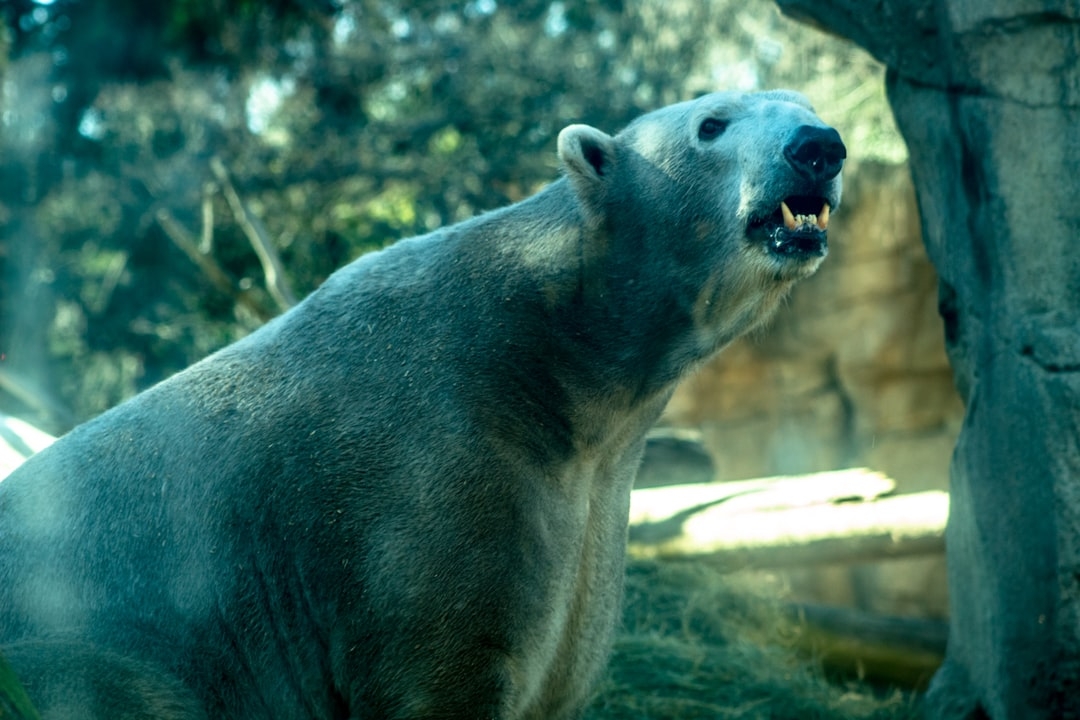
x: 987, y: 95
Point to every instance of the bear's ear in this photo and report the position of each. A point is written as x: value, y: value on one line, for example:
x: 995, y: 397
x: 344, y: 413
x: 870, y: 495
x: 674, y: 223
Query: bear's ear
x: 588, y: 156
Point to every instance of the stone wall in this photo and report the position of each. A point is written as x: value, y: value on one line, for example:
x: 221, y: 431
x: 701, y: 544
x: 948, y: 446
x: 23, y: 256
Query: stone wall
x: 852, y: 372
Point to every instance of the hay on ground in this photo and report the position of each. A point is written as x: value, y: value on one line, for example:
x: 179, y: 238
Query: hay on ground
x: 698, y: 643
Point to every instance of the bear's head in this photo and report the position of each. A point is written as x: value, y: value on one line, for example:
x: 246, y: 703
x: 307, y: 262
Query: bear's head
x: 727, y: 197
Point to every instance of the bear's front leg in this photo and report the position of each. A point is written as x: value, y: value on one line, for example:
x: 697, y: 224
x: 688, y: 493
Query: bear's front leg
x: 490, y: 627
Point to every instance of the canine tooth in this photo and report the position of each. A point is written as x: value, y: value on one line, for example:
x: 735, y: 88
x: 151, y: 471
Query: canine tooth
x: 789, y: 217
x: 823, y: 217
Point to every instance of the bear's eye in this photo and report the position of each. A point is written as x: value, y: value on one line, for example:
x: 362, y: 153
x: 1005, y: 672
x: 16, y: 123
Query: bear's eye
x: 711, y: 128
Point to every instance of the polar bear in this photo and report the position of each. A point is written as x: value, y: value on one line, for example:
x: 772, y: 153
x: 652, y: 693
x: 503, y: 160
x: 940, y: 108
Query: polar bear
x: 407, y: 497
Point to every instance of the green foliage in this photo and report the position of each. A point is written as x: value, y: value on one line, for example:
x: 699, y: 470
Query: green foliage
x: 344, y: 125
x: 14, y: 703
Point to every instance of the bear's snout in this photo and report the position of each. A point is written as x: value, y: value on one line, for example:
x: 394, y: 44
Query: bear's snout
x: 816, y: 153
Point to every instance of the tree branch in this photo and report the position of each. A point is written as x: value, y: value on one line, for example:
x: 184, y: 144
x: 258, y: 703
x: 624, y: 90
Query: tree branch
x: 276, y: 282
x: 216, y: 274
x: 206, y: 241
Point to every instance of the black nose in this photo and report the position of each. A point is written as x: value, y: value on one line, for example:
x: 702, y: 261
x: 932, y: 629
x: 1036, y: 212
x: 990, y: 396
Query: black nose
x: 816, y: 153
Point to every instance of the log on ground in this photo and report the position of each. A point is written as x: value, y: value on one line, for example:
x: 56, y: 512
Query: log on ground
x: 896, y: 651
x: 840, y: 517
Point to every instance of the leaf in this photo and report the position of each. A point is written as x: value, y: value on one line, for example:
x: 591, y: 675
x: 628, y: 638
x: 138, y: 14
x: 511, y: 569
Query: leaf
x: 14, y: 702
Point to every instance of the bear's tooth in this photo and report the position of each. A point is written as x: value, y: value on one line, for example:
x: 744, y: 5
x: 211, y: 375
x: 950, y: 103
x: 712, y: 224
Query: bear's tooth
x: 823, y: 217
x: 789, y: 217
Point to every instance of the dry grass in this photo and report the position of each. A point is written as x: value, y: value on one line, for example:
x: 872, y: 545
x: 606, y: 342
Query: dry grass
x: 701, y: 644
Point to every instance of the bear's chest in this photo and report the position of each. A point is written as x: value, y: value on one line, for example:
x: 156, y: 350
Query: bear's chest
x: 569, y: 642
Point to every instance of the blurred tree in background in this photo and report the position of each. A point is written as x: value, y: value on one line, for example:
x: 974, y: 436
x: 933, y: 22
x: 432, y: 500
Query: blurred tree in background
x: 156, y: 159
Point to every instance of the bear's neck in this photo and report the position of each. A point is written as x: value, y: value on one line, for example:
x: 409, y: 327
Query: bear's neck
x: 592, y: 335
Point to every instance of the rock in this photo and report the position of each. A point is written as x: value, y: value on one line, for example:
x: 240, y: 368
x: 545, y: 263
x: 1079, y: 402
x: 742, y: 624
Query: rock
x: 674, y: 456
x: 987, y: 94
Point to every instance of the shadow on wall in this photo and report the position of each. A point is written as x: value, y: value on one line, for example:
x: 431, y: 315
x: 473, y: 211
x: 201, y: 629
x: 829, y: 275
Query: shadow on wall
x: 852, y: 372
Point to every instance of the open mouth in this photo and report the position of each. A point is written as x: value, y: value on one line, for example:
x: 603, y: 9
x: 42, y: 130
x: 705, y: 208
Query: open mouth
x: 796, y: 229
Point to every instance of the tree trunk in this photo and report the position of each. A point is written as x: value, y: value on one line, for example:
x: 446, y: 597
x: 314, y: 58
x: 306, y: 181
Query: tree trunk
x: 987, y: 95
